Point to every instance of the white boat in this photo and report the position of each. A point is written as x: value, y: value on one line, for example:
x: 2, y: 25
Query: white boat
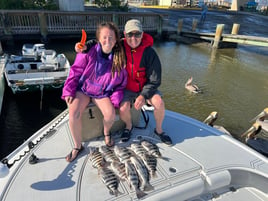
x: 202, y: 164
x: 33, y: 50
x: 31, y: 73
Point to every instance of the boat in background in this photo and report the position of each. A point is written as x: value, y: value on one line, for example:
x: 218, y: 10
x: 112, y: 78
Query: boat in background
x: 202, y: 164
x: 3, y: 60
x: 33, y: 50
x: 36, y: 69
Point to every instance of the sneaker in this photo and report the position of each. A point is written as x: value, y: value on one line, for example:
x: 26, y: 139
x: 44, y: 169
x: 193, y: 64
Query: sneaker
x: 163, y: 137
x: 126, y: 135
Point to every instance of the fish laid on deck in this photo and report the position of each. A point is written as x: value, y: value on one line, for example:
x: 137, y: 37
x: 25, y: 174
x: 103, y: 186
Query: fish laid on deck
x: 143, y: 173
x: 151, y: 148
x: 108, y: 154
x: 96, y: 157
x: 133, y: 179
x: 109, y: 178
x: 122, y: 153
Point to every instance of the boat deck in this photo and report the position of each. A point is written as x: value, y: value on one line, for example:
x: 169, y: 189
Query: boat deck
x: 203, y: 164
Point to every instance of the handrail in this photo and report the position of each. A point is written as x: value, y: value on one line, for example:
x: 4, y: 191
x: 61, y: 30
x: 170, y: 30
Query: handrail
x: 49, y: 23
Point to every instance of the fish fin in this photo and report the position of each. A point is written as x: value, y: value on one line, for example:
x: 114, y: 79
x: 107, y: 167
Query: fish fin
x: 140, y: 193
x: 148, y: 187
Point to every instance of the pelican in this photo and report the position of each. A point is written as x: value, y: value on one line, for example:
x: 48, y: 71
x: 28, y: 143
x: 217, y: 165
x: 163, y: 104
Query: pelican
x: 252, y: 131
x: 212, y: 117
x: 210, y: 120
x: 192, y: 87
x: 259, y: 144
x: 262, y: 119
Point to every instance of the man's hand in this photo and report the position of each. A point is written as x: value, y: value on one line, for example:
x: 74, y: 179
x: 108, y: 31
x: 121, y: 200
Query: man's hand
x: 78, y: 48
x: 139, y: 102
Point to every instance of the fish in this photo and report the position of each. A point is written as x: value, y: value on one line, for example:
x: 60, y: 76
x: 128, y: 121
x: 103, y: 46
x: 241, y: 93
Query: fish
x: 142, y: 172
x: 138, y: 149
x: 122, y: 153
x: 151, y: 163
x: 83, y: 39
x: 151, y: 148
x: 96, y: 157
x: 108, y: 154
x: 119, y: 169
x: 133, y: 179
x: 109, y: 178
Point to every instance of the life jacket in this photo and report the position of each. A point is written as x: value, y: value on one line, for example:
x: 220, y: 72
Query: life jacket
x: 136, y: 74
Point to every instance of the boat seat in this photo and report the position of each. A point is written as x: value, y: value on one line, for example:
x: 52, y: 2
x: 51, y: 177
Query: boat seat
x: 92, y: 125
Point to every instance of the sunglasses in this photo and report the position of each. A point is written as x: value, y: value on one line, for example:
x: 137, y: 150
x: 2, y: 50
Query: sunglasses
x: 136, y: 34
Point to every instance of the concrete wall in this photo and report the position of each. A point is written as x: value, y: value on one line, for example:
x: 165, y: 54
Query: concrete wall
x: 71, y: 5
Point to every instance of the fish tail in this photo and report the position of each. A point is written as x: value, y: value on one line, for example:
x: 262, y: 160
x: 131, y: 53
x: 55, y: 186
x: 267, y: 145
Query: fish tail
x: 148, y: 187
x: 153, y: 174
x: 140, y: 193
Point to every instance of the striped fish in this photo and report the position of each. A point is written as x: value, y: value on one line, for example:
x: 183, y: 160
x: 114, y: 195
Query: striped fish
x: 119, y: 169
x: 143, y: 173
x: 138, y: 149
x: 122, y: 153
x: 95, y: 157
x: 151, y: 148
x: 133, y: 179
x: 109, y: 178
x: 151, y: 163
x: 108, y: 154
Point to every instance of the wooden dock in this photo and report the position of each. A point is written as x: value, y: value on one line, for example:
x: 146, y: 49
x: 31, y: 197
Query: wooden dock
x: 219, y: 39
x: 25, y: 24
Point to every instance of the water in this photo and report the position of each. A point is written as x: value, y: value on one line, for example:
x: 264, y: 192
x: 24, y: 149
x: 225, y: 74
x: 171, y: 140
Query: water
x: 234, y: 83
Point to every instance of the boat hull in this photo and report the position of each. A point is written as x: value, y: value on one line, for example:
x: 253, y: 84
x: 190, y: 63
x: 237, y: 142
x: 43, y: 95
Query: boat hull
x: 202, y: 164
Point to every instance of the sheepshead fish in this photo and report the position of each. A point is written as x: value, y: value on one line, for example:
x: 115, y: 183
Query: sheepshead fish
x: 108, y: 154
x: 151, y: 163
x: 142, y: 172
x: 122, y: 153
x: 138, y: 149
x: 109, y: 178
x: 119, y: 169
x: 151, y: 148
x: 96, y: 158
x: 133, y: 179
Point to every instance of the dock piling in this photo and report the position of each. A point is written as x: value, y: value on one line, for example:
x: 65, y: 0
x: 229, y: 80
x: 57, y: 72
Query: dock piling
x: 235, y: 28
x: 218, y: 35
x: 194, y: 25
x: 179, y: 29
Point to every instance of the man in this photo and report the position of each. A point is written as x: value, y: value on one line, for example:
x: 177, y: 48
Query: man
x: 144, y: 78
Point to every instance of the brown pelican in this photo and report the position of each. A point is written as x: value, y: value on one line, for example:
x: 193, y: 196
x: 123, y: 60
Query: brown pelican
x: 262, y: 119
x: 210, y: 120
x: 192, y: 87
x: 259, y: 144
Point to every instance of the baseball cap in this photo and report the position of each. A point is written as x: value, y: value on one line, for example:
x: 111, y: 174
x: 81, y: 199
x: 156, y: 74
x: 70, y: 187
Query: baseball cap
x: 133, y: 25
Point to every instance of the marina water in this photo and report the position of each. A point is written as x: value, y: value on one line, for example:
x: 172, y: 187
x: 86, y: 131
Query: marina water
x: 234, y: 83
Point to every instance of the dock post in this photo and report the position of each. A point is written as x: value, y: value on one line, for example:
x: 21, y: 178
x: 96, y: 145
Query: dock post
x: 43, y: 26
x: 1, y: 49
x: 235, y: 28
x: 194, y: 25
x: 179, y: 29
x: 218, y: 35
x: 160, y: 26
